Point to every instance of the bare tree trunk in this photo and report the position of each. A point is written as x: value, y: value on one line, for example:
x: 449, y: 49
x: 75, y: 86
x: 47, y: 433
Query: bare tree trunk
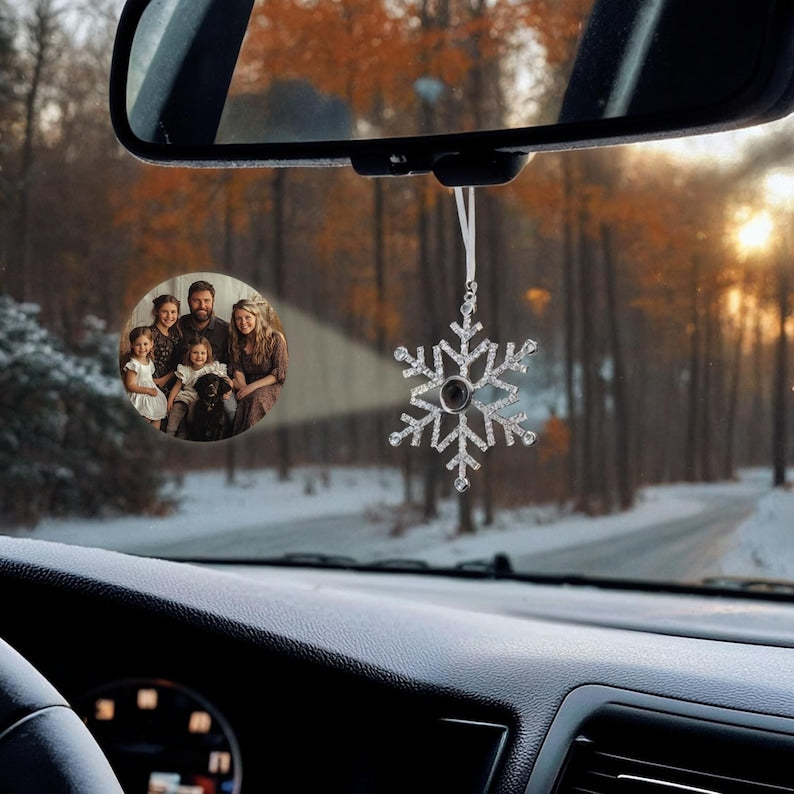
x: 493, y: 240
x: 587, y: 486
x: 430, y: 495
x: 623, y: 417
x: 433, y: 15
x: 569, y: 290
x: 278, y: 187
x: 228, y: 258
x: 779, y: 424
x: 756, y: 452
x: 706, y: 468
x: 379, y: 257
x: 408, y: 478
x: 692, y: 425
x: 465, y: 520
x: 41, y: 30
x: 729, y: 463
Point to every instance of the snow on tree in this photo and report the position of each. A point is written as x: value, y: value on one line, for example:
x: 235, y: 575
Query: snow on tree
x: 70, y: 442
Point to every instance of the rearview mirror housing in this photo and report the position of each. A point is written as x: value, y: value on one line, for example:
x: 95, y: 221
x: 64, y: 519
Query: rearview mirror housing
x: 232, y: 83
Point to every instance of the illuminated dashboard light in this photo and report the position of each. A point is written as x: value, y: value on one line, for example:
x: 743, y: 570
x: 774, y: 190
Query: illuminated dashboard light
x: 199, y: 722
x: 147, y: 699
x: 104, y: 709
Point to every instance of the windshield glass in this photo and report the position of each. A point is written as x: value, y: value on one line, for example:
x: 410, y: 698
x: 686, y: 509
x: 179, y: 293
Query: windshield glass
x: 654, y: 279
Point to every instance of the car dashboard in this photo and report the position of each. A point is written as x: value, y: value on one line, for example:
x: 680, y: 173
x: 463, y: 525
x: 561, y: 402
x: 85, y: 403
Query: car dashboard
x: 339, y: 681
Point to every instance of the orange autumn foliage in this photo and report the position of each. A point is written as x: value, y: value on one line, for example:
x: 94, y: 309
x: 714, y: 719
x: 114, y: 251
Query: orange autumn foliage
x: 556, y: 438
x: 371, y: 53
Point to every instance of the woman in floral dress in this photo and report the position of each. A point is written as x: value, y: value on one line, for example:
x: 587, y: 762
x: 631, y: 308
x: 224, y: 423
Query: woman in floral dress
x: 258, y: 363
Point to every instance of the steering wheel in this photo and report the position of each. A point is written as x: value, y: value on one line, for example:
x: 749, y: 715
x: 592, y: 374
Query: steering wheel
x: 44, y: 745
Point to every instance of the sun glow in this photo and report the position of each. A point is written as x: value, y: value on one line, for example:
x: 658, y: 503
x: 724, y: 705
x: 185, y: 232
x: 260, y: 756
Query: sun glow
x: 754, y: 233
x: 779, y: 188
x: 751, y: 319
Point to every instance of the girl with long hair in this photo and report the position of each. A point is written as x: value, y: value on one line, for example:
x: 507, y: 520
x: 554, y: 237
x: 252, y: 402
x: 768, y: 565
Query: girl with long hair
x: 138, y: 373
x: 168, y: 343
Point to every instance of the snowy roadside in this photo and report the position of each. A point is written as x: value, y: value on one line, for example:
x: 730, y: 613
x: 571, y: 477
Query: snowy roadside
x: 763, y: 545
x: 538, y: 529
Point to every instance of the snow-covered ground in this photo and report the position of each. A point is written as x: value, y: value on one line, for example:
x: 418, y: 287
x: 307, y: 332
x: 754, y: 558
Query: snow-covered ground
x: 763, y: 545
x: 765, y: 542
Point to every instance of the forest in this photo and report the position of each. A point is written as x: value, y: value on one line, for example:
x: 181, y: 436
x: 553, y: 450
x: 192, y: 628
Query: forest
x: 657, y: 279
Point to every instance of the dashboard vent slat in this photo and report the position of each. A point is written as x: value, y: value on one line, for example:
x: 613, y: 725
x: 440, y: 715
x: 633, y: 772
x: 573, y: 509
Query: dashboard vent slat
x: 622, y: 752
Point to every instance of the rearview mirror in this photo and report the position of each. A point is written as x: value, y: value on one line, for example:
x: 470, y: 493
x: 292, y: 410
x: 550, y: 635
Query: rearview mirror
x: 466, y: 90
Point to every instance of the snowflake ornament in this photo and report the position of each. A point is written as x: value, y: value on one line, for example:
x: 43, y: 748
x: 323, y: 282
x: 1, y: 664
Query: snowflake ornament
x: 458, y: 393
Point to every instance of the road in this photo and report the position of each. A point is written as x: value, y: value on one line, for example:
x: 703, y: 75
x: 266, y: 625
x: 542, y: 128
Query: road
x: 683, y: 549
x: 341, y: 534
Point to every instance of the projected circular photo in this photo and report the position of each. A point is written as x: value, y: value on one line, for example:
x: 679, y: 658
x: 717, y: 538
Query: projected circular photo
x: 203, y: 357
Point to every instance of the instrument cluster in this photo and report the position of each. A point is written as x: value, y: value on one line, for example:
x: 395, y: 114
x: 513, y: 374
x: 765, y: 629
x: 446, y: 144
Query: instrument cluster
x: 163, y: 738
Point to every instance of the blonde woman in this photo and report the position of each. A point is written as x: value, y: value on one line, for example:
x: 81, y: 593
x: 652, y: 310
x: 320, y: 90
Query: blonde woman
x: 258, y: 363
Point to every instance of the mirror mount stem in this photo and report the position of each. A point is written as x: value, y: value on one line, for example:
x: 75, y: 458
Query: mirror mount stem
x: 481, y: 169
x: 455, y: 169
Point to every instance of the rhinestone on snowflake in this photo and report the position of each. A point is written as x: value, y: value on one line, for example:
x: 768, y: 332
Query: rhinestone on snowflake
x: 457, y: 393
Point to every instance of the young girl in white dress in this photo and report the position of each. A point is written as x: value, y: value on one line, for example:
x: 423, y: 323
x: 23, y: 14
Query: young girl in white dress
x: 183, y: 395
x: 148, y: 400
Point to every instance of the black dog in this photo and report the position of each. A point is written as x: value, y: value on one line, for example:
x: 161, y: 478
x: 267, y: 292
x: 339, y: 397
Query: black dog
x: 207, y: 422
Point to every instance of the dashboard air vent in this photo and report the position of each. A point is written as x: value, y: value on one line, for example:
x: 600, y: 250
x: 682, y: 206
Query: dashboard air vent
x: 623, y: 750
